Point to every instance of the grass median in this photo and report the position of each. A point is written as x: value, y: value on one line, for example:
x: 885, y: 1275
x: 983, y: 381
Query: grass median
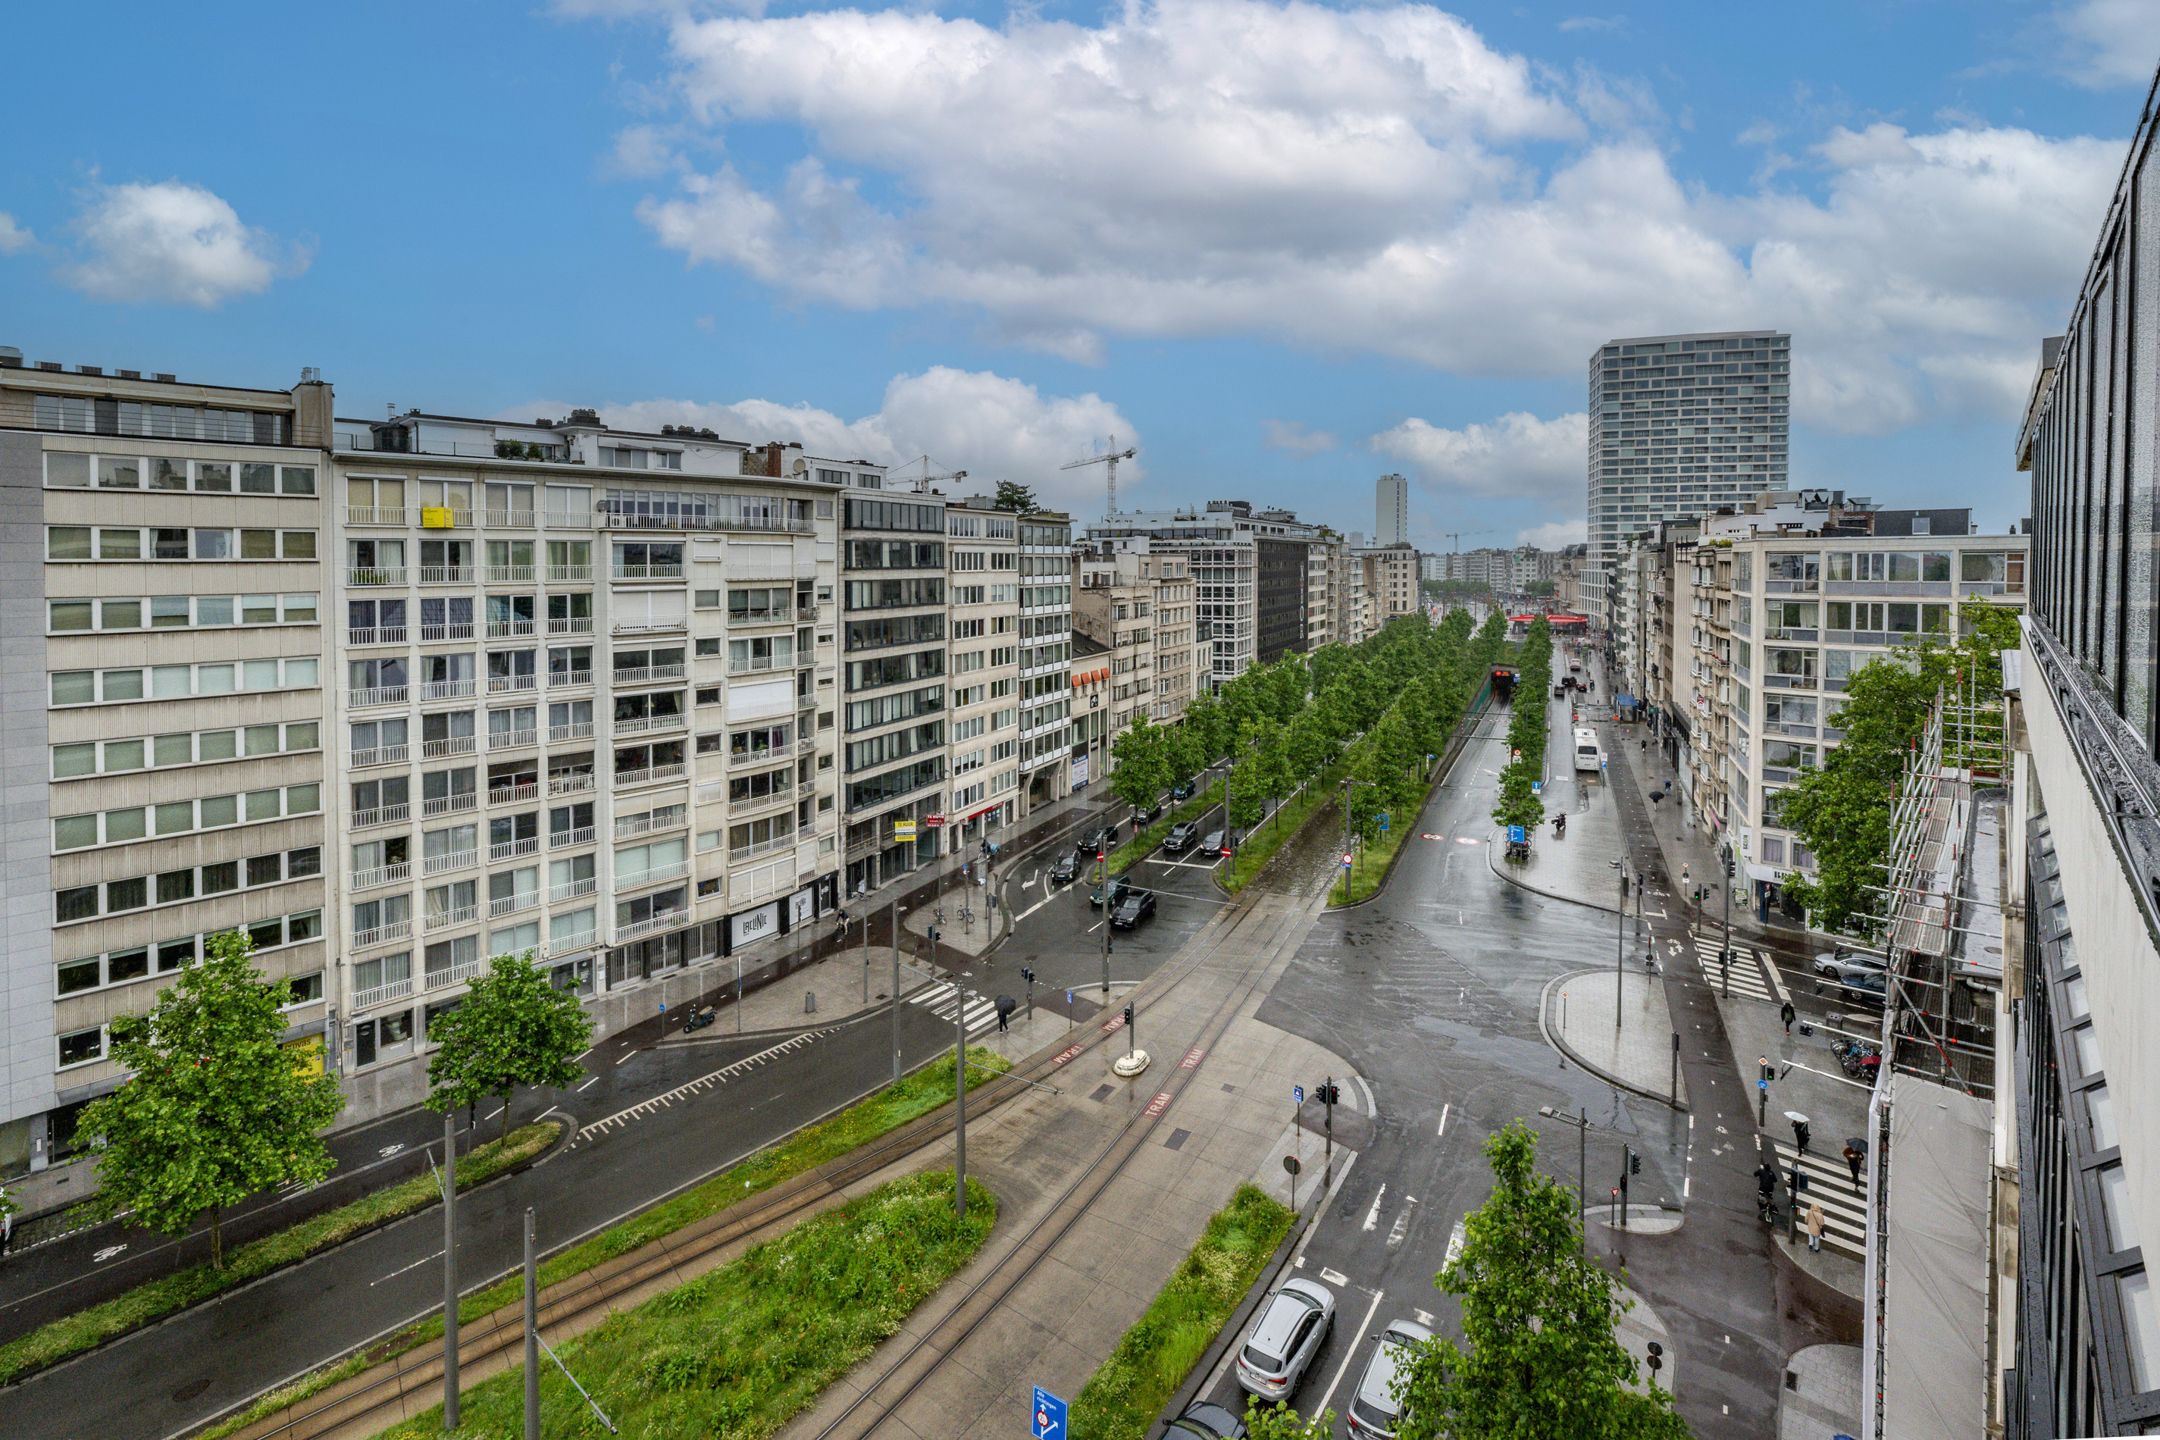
x: 1133, y: 851
x: 740, y: 1350
x: 153, y: 1301
x: 1124, y: 1398
x: 1257, y: 846
x: 876, y: 1115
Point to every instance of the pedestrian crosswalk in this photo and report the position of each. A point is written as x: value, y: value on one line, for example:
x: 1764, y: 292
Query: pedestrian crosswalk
x: 939, y: 1000
x: 1747, y: 971
x: 1830, y: 1185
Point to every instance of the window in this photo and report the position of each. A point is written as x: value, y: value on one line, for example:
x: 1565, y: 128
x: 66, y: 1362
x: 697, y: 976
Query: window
x: 81, y: 1047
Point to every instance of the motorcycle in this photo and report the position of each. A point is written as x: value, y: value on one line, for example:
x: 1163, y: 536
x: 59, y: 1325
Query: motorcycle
x: 698, y: 1018
x: 1559, y: 827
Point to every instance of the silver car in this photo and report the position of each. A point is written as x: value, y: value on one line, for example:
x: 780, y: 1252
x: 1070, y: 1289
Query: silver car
x: 1373, y: 1410
x: 1285, y: 1336
x: 1845, y: 966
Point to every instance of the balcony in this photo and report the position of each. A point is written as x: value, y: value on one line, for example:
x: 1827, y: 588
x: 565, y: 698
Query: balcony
x: 450, y: 860
x: 766, y: 847
x: 512, y: 684
x: 513, y: 794
x: 388, y: 930
x: 448, y: 745
x: 446, y: 574
x: 807, y: 745
x: 647, y: 674
x: 672, y: 818
x: 510, y: 904
x: 361, y: 698
x: 375, y: 635
x: 641, y: 724
x: 570, y: 625
x: 447, y: 689
x: 513, y: 849
x: 570, y: 783
x: 1807, y: 634
x: 507, y: 629
x: 507, y: 519
x: 573, y: 889
x: 453, y: 974
x: 382, y: 994
x: 569, y: 574
x: 371, y: 576
x: 575, y: 730
x: 449, y: 804
x: 451, y: 915
x: 567, y: 679
x: 565, y: 839
x: 382, y: 875
x: 512, y: 739
x: 509, y: 574
x: 381, y: 815
x: 379, y: 755
x: 648, y: 627
x: 655, y: 876
x: 455, y: 630
x: 649, y: 924
x: 651, y: 774
x: 377, y: 515
x: 657, y: 571
x: 566, y: 520
x: 614, y: 520
x: 805, y: 789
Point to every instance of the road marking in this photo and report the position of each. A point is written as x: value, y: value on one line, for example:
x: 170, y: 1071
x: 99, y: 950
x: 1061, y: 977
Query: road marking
x: 1372, y: 1216
x: 588, y: 1085
x: 1333, y: 1277
x: 1454, y: 1244
x: 624, y: 1056
x: 581, y: 1055
x: 1350, y: 1355
x: 704, y: 1082
x: 1424, y: 1317
x: 1443, y: 1119
x: 403, y: 1268
x: 106, y: 1254
x: 1401, y: 1226
x: 389, y: 1150
x: 1048, y: 896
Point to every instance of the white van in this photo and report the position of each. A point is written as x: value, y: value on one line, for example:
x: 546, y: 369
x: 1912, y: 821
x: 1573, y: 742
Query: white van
x: 1587, y: 754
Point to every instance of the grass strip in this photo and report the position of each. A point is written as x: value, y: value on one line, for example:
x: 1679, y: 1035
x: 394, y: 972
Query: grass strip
x: 1371, y: 870
x: 1133, y: 851
x: 876, y: 1115
x: 743, y: 1348
x: 108, y: 1320
x: 1122, y: 1400
x: 1259, y: 845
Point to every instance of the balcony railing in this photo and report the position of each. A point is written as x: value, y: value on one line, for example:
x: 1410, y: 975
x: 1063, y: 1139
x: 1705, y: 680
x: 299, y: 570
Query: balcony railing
x: 614, y: 520
x: 454, y: 630
x: 512, y: 739
x: 446, y: 689
x: 565, y: 944
x: 511, y: 904
x: 642, y: 627
x: 388, y: 930
x: 650, y: 923
x: 382, y: 875
x: 512, y: 684
x: 754, y: 664
x: 655, y: 876
x: 569, y: 574
x: 448, y: 745
x: 449, y: 804
x: 367, y: 695
x: 646, y: 674
x: 566, y: 520
x: 450, y: 915
x: 806, y: 745
x: 570, y: 783
x: 382, y: 994
x: 651, y: 774
x: 377, y: 515
x: 764, y: 847
x: 446, y: 574
x: 574, y: 730
x: 450, y: 860
x: 509, y: 574
x: 369, y: 576
x: 564, y: 839
x: 381, y: 815
x: 671, y: 818
x: 452, y: 974
x: 507, y: 519
x: 512, y: 849
x: 640, y: 724
x: 566, y: 679
x: 375, y: 634
x: 573, y: 889
x: 505, y: 629
x: 653, y: 571
x: 379, y: 755
x: 569, y: 625
x: 512, y: 794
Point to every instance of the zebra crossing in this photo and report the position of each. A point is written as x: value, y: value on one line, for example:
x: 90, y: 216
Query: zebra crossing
x: 1747, y: 973
x: 1830, y: 1186
x: 938, y: 999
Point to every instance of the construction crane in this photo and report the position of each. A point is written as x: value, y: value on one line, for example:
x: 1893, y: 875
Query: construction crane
x: 929, y: 476
x: 1455, y: 536
x: 1108, y: 459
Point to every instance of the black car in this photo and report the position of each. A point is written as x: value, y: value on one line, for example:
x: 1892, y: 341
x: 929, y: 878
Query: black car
x: 1135, y: 907
x: 1183, y: 790
x: 1119, y: 888
x: 1206, y: 1421
x: 1096, y: 842
x: 1146, y: 814
x: 1180, y: 838
x: 1066, y: 870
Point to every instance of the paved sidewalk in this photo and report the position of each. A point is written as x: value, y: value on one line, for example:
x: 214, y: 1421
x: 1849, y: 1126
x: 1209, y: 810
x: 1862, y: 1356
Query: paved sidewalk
x: 1636, y: 1054
x: 1822, y: 1396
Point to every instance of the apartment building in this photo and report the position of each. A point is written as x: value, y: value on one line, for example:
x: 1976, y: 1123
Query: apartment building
x: 586, y: 683
x: 1326, y: 573
x: 1390, y: 583
x: 1785, y: 600
x: 1391, y: 510
x: 1091, y: 683
x: 165, y: 726
x: 982, y: 555
x: 1114, y: 608
x: 1046, y: 647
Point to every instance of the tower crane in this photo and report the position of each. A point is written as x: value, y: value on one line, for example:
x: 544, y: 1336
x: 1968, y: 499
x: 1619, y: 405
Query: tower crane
x: 1456, y: 536
x: 1108, y: 459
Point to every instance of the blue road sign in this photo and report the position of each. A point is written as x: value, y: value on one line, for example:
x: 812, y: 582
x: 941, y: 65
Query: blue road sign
x: 1297, y: 1094
x: 1517, y: 835
x: 1383, y: 822
x: 1068, y: 997
x: 1537, y: 787
x: 1762, y: 1084
x: 1047, y: 1417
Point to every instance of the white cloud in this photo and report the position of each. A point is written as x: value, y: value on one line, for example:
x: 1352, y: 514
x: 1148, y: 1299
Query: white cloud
x: 2109, y: 42
x: 1294, y: 437
x: 14, y: 237
x: 1371, y: 180
x: 171, y: 242
x: 1554, y: 534
x: 992, y: 426
x: 1517, y: 456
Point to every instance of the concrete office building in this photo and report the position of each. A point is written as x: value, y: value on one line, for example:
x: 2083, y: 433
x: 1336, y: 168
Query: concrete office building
x: 1389, y: 576
x: 1681, y: 425
x: 1391, y: 510
x: 2080, y: 1327
x: 1046, y: 586
x: 982, y: 554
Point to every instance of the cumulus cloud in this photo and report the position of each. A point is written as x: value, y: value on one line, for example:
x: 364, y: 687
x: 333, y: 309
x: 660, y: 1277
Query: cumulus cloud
x: 1292, y: 436
x: 171, y: 242
x: 992, y: 426
x: 1518, y: 456
x: 2106, y: 43
x: 1554, y: 534
x: 14, y: 237
x: 1372, y: 180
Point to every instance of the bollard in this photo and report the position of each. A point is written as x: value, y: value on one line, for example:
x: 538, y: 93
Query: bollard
x: 809, y: 1002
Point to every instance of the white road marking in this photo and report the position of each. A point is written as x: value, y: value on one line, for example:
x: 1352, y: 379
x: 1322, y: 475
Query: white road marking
x: 1350, y: 1355
x: 106, y: 1254
x: 1333, y: 1277
x: 1372, y: 1216
x: 1424, y: 1317
x: 588, y: 1084
x: 403, y: 1268
x: 1443, y: 1119
x: 581, y: 1055
x: 1048, y: 896
x: 1454, y: 1244
x: 1401, y: 1227
x: 624, y: 1056
x: 703, y: 1082
x: 389, y: 1150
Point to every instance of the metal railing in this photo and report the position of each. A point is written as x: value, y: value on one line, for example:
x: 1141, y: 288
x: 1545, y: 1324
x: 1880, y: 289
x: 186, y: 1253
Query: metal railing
x: 449, y: 860
x: 446, y: 574
x: 512, y: 849
x: 388, y: 930
x: 573, y: 730
x: 379, y: 755
x: 570, y: 783
x: 449, y: 804
x: 661, y: 921
x: 569, y: 574
x: 564, y: 839
x: 512, y: 684
x: 447, y: 689
x: 375, y: 634
x: 379, y: 994
x: 375, y: 695
x: 761, y: 847
x: 448, y: 745
x: 512, y: 794
x: 573, y: 889
x: 655, y: 876
x: 641, y: 724
x: 381, y: 815
x: 757, y: 664
x: 377, y: 515
x: 451, y: 915
x: 453, y: 630
x: 670, y: 818
x: 511, y: 904
x: 509, y: 574
x: 382, y: 875
x: 374, y: 575
x: 512, y: 739
x: 505, y: 629
x: 650, y: 774
x: 507, y: 519
x: 452, y: 974
x: 564, y: 679
x: 654, y: 571
x: 646, y: 674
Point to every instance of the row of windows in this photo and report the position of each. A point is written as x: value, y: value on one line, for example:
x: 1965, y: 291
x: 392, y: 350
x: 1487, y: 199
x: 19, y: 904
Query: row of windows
x: 182, y: 817
x: 175, y: 542
x: 178, y: 612
x: 71, y: 470
x: 118, y: 967
x: 175, y: 887
x: 865, y: 514
x: 179, y: 682
x: 198, y: 747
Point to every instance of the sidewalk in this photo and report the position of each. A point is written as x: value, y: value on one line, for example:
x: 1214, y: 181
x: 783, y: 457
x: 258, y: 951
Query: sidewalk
x: 1636, y: 1054
x: 1823, y: 1396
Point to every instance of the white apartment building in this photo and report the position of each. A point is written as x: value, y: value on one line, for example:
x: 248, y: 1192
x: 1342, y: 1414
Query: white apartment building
x: 1048, y: 764
x: 1390, y: 584
x: 1391, y: 510
x: 1681, y: 425
x: 982, y: 557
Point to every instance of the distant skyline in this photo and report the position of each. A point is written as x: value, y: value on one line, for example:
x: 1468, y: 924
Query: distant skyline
x: 1282, y: 248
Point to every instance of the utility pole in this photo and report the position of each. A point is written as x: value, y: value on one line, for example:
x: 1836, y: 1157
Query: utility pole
x: 532, y: 1332
x: 895, y: 986
x: 1102, y: 885
x: 449, y: 1279
x: 959, y: 1101
x: 1728, y: 918
x: 1619, y: 971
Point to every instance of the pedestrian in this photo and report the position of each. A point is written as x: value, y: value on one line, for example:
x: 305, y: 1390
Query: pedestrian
x: 1766, y: 1182
x: 1785, y: 1013
x: 1800, y: 1136
x: 1814, y: 1224
x: 1852, y: 1163
x: 7, y: 1223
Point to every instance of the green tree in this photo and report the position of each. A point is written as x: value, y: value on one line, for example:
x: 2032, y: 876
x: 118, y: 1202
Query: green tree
x: 1280, y: 1422
x: 1842, y: 811
x: 1518, y: 803
x: 218, y: 1108
x: 1142, y: 771
x: 1013, y: 496
x: 1538, y: 1355
x: 512, y: 1028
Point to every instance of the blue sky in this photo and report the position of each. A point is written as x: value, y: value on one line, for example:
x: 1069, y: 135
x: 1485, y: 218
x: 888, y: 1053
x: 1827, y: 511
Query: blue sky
x: 1282, y: 247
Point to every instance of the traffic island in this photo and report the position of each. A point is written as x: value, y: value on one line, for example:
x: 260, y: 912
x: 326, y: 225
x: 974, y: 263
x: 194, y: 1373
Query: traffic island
x: 1127, y: 1066
x: 1631, y: 1044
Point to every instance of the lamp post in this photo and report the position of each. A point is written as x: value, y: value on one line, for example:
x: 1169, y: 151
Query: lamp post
x: 1619, y: 964
x: 1728, y: 917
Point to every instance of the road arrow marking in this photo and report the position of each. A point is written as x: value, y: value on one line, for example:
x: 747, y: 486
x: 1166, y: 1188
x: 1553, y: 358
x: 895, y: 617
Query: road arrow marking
x: 1372, y: 1216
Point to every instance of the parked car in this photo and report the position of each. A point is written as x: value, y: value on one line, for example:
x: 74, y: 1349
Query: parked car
x: 1206, y: 1421
x: 1841, y: 965
x: 1096, y: 842
x: 1285, y: 1336
x: 1374, y: 1409
x: 1873, y: 984
x: 1180, y: 838
x: 1146, y: 814
x: 1183, y: 790
x: 1119, y: 888
x: 1211, y: 844
x: 1135, y: 907
x: 1066, y: 870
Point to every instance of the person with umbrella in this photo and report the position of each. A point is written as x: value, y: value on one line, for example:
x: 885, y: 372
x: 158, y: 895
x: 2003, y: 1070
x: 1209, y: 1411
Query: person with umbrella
x: 1799, y: 1131
x: 1855, y: 1153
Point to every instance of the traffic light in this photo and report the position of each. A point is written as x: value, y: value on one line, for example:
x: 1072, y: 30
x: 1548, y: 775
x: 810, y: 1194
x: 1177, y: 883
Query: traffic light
x: 1634, y: 1163
x: 1027, y: 974
x: 1728, y: 865
x: 1327, y: 1092
x: 1128, y: 1016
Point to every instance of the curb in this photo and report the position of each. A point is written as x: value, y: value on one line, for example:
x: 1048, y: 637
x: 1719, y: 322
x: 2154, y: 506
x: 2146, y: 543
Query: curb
x: 1545, y: 1029
x: 1522, y: 884
x: 1440, y: 776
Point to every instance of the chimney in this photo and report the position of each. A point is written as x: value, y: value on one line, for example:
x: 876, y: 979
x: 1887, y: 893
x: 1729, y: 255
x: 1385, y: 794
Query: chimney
x: 775, y: 457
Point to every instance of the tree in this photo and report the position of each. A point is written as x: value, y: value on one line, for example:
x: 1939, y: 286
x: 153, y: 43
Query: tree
x: 512, y: 1028
x: 1518, y: 803
x: 1538, y: 1355
x: 1013, y: 496
x: 218, y: 1108
x: 1143, y: 764
x: 1280, y: 1422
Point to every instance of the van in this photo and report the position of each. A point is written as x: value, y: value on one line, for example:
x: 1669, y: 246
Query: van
x: 1588, y: 755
